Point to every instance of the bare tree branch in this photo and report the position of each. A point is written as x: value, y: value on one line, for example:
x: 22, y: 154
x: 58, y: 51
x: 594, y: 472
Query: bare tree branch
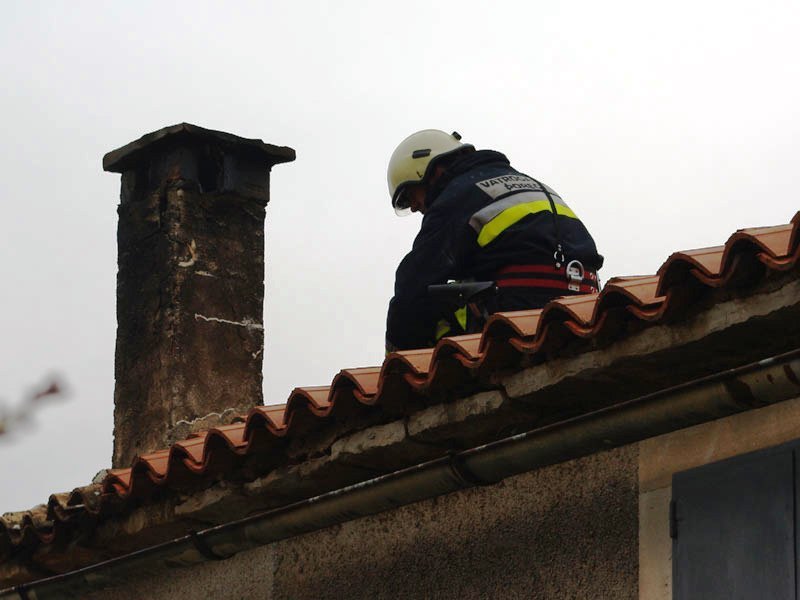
x: 11, y: 419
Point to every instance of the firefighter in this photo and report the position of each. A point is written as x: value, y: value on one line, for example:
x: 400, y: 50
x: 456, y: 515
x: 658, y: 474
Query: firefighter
x: 482, y: 220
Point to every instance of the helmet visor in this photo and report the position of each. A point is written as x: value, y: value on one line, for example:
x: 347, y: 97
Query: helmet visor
x: 401, y: 201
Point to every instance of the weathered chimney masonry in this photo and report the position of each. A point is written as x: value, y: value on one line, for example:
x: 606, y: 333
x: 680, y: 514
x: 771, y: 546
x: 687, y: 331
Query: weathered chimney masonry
x: 190, y: 287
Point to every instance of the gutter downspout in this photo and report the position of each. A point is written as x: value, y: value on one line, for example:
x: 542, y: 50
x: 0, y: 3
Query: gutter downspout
x: 728, y: 392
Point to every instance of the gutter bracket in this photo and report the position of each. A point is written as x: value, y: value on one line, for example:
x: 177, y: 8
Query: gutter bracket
x: 22, y: 590
x: 203, y: 548
x: 465, y: 476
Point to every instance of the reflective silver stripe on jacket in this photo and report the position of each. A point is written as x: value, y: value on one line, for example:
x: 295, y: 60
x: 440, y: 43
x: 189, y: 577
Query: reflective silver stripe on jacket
x: 487, y: 213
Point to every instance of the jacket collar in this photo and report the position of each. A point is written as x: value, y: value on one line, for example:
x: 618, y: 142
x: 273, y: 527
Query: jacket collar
x: 464, y: 164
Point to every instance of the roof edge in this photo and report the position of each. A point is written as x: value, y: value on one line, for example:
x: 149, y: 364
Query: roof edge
x: 769, y: 381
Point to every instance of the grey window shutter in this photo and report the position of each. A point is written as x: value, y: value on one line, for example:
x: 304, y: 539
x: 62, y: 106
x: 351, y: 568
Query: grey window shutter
x: 734, y: 529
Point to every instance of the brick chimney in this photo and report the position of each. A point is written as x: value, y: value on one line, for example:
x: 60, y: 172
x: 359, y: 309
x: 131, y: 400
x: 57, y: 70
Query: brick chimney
x: 190, y: 287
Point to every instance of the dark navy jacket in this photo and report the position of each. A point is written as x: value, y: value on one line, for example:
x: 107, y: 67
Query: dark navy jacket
x: 452, y: 242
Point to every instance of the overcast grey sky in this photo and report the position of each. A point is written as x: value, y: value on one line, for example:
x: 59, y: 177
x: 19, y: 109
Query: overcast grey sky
x: 665, y: 127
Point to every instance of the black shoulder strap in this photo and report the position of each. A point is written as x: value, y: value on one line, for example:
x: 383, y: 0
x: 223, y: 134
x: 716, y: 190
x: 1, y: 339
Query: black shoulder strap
x: 558, y: 254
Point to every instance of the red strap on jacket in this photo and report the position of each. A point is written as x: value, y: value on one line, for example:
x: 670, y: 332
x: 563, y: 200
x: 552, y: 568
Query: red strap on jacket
x: 544, y: 276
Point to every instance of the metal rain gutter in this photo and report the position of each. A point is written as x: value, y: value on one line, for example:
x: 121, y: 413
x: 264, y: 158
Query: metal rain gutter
x: 735, y: 390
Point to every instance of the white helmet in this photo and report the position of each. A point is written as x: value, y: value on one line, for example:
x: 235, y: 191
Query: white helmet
x: 412, y: 159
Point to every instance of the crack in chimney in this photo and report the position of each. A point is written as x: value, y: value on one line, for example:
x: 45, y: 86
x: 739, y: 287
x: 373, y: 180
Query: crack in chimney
x: 247, y: 323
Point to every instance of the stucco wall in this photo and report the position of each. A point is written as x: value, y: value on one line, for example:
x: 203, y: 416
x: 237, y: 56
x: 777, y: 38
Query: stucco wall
x: 245, y: 576
x: 567, y: 531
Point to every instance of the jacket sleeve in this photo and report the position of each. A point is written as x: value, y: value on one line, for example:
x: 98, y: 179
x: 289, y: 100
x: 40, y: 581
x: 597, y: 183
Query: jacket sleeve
x: 434, y: 258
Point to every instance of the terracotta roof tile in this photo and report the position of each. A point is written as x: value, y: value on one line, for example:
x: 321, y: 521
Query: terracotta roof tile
x: 273, y: 416
x: 156, y: 463
x: 317, y: 398
x: 365, y: 380
x: 121, y: 477
x: 524, y: 323
x: 640, y: 290
x: 418, y: 360
x: 465, y: 348
x: 509, y: 341
x: 193, y: 447
x: 233, y: 434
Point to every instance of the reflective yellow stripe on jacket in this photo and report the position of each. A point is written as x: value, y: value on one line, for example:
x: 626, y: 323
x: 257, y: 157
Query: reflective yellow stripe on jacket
x: 443, y: 326
x: 494, y: 219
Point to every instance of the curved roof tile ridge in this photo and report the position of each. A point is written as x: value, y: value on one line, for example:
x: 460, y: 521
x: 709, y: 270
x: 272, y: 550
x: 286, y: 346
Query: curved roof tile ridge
x: 583, y: 316
x: 509, y: 340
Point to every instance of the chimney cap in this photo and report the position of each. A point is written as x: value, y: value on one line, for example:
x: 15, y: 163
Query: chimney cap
x: 122, y: 159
